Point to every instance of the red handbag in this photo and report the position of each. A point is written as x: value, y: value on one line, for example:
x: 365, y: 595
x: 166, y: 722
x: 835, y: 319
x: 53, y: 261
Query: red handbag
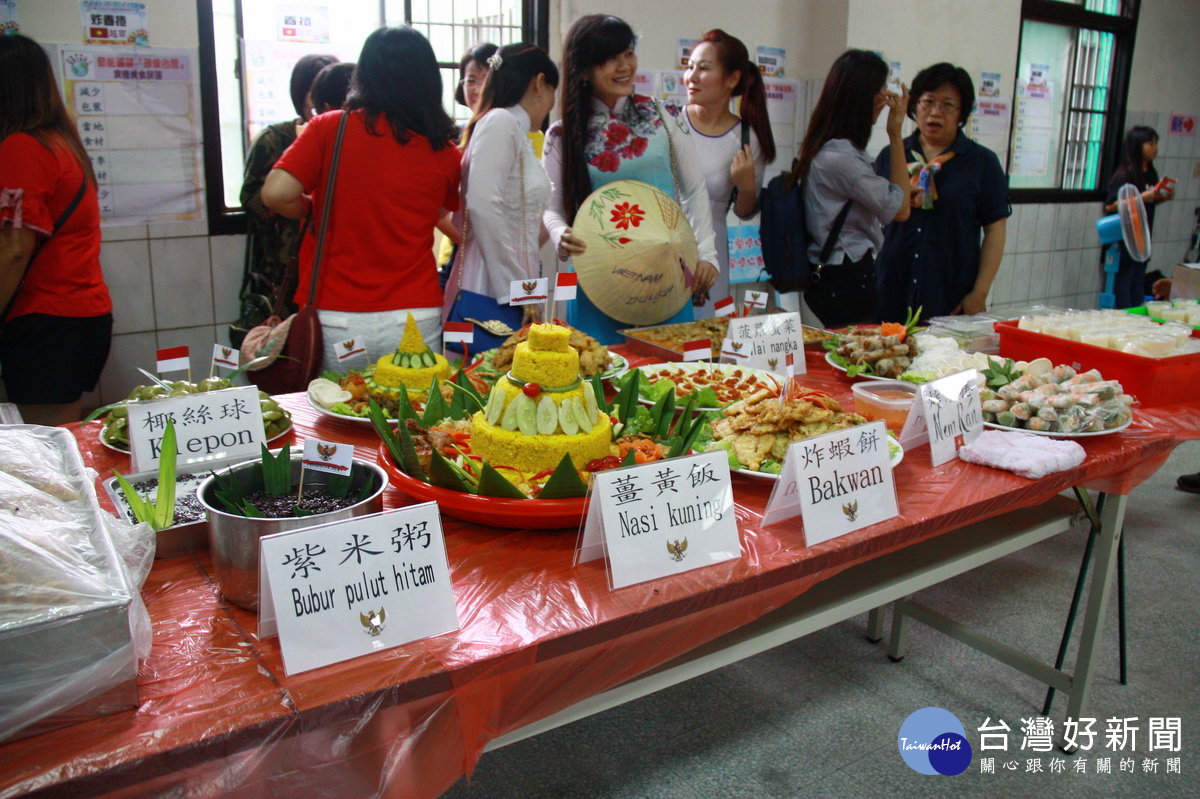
x: 294, y: 346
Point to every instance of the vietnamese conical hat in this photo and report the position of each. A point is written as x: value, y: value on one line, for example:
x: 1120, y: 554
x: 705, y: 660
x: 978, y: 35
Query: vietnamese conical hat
x: 641, y: 252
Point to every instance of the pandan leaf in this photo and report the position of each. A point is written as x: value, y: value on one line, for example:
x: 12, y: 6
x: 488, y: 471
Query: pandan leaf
x: 461, y: 379
x: 627, y: 398
x: 464, y: 402
x: 368, y: 487
x: 337, y: 485
x: 444, y: 474
x: 251, y: 511
x: 141, y: 509
x: 96, y: 414
x: 276, y: 472
x: 663, y: 413
x: 493, y: 484
x: 598, y: 390
x: 564, y: 483
x: 435, y: 407
x: 630, y: 458
x: 406, y: 409
x: 298, y: 511
x: 409, y: 461
x: 375, y: 413
x: 164, y: 498
x: 686, y: 416
x: 684, y: 444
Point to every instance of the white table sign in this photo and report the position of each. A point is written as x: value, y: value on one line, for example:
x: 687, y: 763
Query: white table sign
x: 839, y: 482
x: 661, y: 518
x: 528, y: 292
x: 953, y: 414
x: 764, y: 342
x: 215, y: 425
x: 350, y: 588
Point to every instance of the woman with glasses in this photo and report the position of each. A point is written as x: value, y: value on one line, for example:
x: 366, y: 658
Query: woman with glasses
x: 944, y: 258
x: 838, y: 182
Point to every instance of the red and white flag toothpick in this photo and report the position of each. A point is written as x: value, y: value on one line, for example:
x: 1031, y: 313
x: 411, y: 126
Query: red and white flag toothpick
x: 565, y: 286
x: 458, y: 333
x: 752, y: 300
x: 327, y: 456
x: 790, y: 371
x: 697, y: 350
x: 224, y: 356
x: 724, y: 307
x: 350, y: 348
x: 173, y: 359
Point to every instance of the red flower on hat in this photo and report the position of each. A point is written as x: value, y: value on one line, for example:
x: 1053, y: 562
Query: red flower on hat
x: 625, y: 215
x: 606, y: 162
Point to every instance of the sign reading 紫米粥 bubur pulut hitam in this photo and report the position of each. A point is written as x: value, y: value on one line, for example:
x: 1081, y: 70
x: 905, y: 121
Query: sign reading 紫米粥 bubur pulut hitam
x: 354, y: 587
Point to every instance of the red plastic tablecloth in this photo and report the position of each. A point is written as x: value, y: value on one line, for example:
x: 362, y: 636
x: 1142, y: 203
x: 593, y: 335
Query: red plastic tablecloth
x: 219, y: 715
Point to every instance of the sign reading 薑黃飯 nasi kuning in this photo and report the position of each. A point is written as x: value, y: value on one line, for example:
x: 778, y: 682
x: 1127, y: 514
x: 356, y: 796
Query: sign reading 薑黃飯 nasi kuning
x: 661, y: 518
x: 764, y: 342
x: 350, y: 588
x: 210, y: 426
x: 838, y: 482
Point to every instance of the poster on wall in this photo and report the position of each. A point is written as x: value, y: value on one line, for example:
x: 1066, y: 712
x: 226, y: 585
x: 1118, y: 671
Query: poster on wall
x: 990, y: 118
x: 303, y: 24
x: 989, y: 84
x: 137, y: 111
x: 8, y: 18
x: 114, y: 22
x: 685, y: 52
x: 772, y: 61
x: 1031, y: 139
x: 672, y: 89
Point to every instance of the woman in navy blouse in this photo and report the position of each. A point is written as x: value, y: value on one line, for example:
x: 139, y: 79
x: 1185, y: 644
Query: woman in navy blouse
x: 946, y: 255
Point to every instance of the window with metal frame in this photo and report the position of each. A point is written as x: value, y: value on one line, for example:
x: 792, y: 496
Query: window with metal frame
x: 247, y: 48
x: 1072, y: 80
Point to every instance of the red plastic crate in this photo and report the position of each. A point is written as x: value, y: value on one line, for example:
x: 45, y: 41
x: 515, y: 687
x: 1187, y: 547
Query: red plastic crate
x: 1154, y: 381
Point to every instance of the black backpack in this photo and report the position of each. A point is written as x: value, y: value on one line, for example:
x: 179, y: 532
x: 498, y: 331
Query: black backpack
x: 784, y: 233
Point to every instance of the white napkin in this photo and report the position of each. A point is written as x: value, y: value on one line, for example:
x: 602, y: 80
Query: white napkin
x: 1027, y: 455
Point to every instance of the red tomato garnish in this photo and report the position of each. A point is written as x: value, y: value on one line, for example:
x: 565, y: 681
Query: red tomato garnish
x: 531, y: 390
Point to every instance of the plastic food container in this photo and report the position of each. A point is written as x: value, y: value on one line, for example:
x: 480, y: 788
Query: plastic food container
x: 888, y: 401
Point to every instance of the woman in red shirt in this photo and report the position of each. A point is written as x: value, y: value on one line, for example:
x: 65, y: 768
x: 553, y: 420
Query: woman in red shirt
x: 397, y: 177
x: 57, y: 318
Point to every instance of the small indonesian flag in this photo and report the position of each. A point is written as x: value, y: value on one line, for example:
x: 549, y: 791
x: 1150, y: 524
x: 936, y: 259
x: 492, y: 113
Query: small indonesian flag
x: 222, y: 356
x: 350, y: 348
x: 528, y: 292
x: 791, y: 365
x: 458, y: 332
x: 565, y: 286
x: 754, y: 299
x: 327, y: 456
x: 697, y: 350
x: 724, y: 307
x: 173, y: 359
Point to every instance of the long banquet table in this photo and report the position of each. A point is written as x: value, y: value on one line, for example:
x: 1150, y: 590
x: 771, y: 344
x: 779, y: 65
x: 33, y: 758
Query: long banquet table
x: 538, y: 635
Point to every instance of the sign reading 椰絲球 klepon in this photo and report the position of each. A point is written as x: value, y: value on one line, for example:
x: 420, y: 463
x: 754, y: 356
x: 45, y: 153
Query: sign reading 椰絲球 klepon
x: 764, y: 342
x: 661, y: 518
x: 838, y: 482
x: 210, y: 426
x: 354, y: 587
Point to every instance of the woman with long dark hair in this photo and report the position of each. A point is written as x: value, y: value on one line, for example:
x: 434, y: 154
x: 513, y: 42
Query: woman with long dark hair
x: 718, y: 70
x: 837, y: 171
x: 398, y: 176
x: 608, y: 133
x: 945, y: 257
x: 504, y: 188
x: 57, y: 315
x: 1138, y: 152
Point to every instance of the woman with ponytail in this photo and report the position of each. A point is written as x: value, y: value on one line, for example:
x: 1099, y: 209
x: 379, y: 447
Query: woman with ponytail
x: 504, y: 188
x: 734, y: 151
x: 608, y: 133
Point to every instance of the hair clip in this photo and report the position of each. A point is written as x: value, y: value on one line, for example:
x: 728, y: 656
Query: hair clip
x: 495, y: 61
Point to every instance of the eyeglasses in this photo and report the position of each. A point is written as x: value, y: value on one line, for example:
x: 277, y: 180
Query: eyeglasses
x: 928, y: 104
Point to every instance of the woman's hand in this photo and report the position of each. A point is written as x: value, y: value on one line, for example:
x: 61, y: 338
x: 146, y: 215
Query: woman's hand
x: 897, y: 110
x: 706, y: 275
x: 531, y: 315
x: 971, y: 304
x: 570, y: 244
x: 741, y: 170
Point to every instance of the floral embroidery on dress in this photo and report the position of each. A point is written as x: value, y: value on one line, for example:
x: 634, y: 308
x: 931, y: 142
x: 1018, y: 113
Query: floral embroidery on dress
x: 625, y: 134
x: 11, y: 201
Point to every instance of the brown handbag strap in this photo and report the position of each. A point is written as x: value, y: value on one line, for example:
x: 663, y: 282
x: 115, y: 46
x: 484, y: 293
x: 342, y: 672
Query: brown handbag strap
x: 327, y: 205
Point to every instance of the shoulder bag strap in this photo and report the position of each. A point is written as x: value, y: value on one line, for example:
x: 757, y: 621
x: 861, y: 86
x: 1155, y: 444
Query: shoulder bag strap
x: 37, y: 248
x: 670, y: 148
x: 327, y: 205
x: 834, y: 232
x: 745, y: 141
